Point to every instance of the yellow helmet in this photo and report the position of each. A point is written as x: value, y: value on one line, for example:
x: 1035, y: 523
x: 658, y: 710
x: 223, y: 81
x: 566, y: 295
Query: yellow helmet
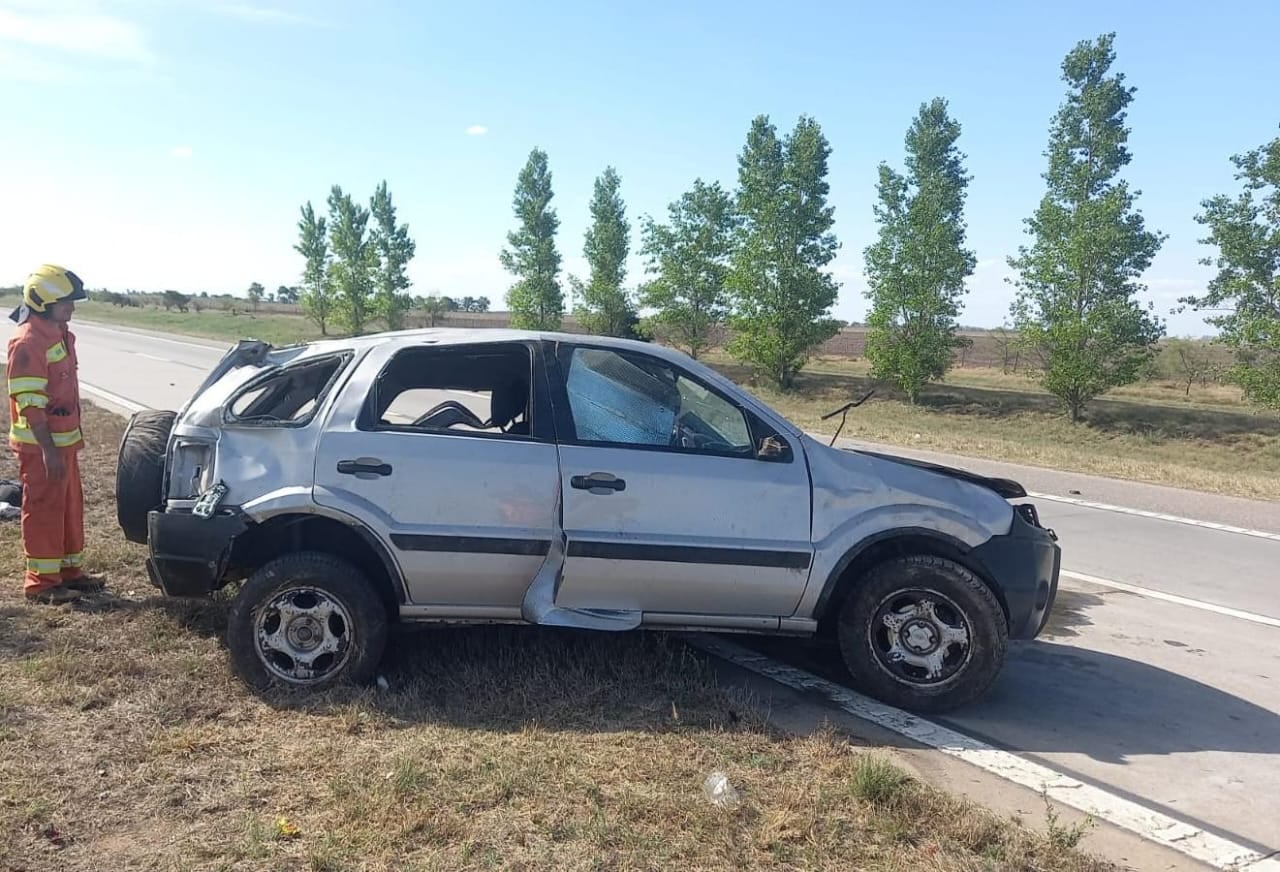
x: 47, y: 285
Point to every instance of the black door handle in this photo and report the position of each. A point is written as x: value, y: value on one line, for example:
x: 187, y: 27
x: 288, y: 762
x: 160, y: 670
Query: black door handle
x: 598, y: 481
x: 364, y: 466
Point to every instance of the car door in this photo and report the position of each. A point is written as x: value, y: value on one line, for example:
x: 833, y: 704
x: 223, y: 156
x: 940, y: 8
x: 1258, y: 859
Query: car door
x: 468, y: 511
x: 694, y: 523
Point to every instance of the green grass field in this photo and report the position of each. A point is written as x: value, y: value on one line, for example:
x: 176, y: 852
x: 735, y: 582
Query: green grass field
x: 1151, y: 432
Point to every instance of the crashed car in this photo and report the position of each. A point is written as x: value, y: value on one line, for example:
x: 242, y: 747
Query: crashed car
x: 502, y: 476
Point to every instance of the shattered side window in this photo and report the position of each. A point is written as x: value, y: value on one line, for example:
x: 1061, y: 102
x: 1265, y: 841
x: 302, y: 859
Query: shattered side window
x: 613, y: 400
x: 637, y: 400
x: 289, y: 395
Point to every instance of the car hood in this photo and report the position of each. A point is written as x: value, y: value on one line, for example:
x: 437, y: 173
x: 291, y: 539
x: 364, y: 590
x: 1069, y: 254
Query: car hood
x: 1005, y: 487
x: 877, y: 490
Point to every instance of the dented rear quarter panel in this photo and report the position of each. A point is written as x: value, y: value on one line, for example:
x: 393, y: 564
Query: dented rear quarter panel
x: 268, y: 467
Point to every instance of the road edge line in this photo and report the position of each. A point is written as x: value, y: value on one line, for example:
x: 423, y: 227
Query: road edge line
x: 1156, y: 516
x: 130, y: 406
x: 186, y: 340
x: 1265, y: 620
x: 1188, y: 840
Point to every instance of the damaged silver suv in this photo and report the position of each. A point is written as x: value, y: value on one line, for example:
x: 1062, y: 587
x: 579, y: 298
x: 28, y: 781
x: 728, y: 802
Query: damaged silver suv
x: 482, y: 476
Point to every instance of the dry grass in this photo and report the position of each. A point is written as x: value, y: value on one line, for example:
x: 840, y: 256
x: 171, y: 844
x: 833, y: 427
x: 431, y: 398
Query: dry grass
x: 126, y: 743
x: 1205, y: 445
x: 1157, y: 391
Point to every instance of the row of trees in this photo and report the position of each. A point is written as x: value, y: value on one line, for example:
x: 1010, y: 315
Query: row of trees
x: 283, y: 294
x: 354, y: 273
x: 755, y: 258
x: 1076, y: 313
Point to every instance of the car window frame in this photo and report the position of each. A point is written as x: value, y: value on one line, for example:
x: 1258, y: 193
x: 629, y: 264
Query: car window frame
x: 559, y: 356
x: 343, y: 359
x: 541, y: 426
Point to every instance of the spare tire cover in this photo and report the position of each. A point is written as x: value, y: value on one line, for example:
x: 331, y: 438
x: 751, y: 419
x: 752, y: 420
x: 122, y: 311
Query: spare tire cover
x: 140, y: 470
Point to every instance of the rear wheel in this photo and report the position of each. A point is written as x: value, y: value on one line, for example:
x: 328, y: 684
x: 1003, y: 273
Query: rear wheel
x: 922, y: 633
x: 306, y: 621
x: 140, y: 470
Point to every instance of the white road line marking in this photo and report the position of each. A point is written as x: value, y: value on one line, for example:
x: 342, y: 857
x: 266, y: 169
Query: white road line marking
x: 1159, y: 516
x: 1173, y: 598
x: 152, y: 357
x: 1186, y: 839
x: 207, y: 345
x: 114, y: 399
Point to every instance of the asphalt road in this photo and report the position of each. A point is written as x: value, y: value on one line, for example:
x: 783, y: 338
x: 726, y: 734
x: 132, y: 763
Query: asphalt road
x: 1167, y: 703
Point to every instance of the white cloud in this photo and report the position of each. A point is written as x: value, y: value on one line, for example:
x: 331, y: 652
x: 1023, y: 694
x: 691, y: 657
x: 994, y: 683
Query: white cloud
x: 182, y: 151
x: 86, y: 34
x: 477, y: 130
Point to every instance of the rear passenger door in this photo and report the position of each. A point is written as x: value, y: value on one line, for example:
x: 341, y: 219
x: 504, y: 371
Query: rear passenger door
x: 668, y: 507
x: 448, y: 452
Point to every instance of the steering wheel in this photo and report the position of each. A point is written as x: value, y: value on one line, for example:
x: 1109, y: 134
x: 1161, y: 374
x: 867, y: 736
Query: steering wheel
x: 686, y: 437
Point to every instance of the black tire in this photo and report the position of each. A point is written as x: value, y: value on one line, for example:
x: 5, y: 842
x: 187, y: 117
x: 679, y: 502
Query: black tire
x: 302, y: 578
x: 140, y: 470
x: 960, y: 600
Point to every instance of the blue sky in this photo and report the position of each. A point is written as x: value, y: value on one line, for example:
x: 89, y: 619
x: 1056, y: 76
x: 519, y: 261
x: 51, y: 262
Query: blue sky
x: 169, y: 143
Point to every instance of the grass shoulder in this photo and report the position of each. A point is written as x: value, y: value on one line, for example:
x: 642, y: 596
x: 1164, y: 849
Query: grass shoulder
x: 125, y: 742
x: 272, y: 327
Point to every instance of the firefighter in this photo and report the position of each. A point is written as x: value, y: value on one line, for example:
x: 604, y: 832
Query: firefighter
x: 44, y: 411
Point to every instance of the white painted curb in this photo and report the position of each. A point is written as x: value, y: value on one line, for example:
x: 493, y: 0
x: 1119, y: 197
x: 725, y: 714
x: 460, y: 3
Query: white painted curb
x: 1190, y: 841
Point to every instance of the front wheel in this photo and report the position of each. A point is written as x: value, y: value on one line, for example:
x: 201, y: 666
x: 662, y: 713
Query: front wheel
x: 306, y: 621
x: 922, y: 633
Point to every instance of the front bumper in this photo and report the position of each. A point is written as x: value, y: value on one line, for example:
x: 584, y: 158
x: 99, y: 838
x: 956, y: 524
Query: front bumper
x: 1024, y: 565
x: 189, y: 554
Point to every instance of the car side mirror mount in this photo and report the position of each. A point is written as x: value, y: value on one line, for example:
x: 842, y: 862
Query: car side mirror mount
x: 771, y: 448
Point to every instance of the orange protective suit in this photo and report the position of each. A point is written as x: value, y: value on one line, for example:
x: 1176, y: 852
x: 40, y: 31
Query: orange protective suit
x: 44, y: 387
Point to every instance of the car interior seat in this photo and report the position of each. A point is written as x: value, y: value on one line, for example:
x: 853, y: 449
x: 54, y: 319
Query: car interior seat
x: 507, y: 403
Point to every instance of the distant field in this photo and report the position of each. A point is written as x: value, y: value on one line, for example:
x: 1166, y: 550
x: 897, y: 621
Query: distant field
x: 214, y: 324
x: 1211, y: 443
x: 1153, y: 431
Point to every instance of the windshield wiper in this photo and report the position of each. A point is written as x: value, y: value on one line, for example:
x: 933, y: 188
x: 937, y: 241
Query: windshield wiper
x: 843, y: 412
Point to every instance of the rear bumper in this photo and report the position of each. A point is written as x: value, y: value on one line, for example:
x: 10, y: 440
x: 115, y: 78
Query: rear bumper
x: 189, y: 554
x: 1024, y: 564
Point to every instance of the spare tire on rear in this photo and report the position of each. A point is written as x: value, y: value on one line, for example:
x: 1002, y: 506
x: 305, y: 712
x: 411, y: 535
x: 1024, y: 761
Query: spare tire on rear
x: 140, y: 470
